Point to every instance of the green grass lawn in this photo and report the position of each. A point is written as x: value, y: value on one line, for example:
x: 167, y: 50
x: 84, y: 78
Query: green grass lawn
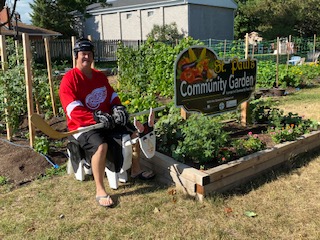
x: 285, y: 202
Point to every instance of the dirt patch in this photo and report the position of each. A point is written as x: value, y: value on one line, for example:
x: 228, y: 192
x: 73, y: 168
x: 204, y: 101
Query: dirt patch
x: 20, y: 164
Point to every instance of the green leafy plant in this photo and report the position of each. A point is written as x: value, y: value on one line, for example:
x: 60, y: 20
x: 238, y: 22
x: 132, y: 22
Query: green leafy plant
x: 201, y: 144
x: 287, y: 133
x: 266, y: 75
x: 259, y: 110
x: 13, y: 90
x: 289, y: 127
x: 54, y: 172
x: 168, y: 131
x: 146, y: 74
x: 3, y: 180
x: 12, y: 87
x: 42, y: 145
x: 251, y: 143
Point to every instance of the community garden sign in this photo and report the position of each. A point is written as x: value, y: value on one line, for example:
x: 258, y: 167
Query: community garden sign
x: 206, y: 84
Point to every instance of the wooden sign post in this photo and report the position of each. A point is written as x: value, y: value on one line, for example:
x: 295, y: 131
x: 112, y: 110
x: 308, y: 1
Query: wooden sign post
x: 49, y: 68
x: 245, y: 105
x: 28, y: 78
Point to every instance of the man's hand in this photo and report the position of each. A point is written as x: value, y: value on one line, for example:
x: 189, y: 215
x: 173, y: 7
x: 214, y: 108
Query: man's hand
x: 105, y: 118
x: 120, y: 115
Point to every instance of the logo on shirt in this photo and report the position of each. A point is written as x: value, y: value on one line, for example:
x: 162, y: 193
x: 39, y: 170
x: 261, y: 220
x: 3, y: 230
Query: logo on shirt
x: 96, y: 97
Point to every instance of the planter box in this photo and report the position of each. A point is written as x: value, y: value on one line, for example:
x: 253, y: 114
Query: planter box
x: 226, y: 176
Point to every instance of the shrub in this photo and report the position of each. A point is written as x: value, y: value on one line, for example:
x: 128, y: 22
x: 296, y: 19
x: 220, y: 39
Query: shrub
x: 290, y: 127
x: 251, y: 143
x: 201, y: 144
x: 199, y: 138
x: 168, y: 131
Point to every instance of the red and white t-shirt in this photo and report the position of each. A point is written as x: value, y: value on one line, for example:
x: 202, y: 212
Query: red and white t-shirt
x: 81, y: 96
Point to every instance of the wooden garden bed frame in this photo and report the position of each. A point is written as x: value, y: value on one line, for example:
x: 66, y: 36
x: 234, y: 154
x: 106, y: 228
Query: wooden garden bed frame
x: 199, y: 183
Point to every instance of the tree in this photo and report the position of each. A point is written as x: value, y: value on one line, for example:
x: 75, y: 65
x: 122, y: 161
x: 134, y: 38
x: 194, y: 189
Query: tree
x: 272, y: 18
x: 55, y: 14
x: 163, y: 33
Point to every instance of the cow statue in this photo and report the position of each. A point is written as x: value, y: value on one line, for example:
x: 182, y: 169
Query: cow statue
x: 119, y: 155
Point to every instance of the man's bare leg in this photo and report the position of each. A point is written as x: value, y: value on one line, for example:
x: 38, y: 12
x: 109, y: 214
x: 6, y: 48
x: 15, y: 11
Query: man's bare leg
x: 98, y: 163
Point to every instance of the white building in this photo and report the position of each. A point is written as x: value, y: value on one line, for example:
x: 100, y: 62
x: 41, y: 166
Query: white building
x: 134, y: 19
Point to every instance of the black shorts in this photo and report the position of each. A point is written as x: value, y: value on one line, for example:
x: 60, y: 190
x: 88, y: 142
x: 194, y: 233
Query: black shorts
x: 91, y: 140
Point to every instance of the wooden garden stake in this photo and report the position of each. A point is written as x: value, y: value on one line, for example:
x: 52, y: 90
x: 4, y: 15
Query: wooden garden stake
x: 288, y: 52
x: 49, y: 68
x: 4, y: 68
x: 28, y: 78
x: 314, y: 47
x: 246, y: 46
x: 277, y: 69
x: 16, y: 44
x: 245, y: 105
x: 73, y: 42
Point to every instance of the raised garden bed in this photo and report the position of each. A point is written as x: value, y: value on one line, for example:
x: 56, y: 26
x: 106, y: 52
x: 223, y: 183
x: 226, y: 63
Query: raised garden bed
x: 200, y: 183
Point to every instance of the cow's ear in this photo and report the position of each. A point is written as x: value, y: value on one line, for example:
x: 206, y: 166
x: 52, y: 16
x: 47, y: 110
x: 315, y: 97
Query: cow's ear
x: 138, y: 125
x: 151, y: 118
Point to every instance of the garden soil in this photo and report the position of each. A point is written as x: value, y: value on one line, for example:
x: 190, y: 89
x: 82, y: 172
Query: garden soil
x: 21, y: 164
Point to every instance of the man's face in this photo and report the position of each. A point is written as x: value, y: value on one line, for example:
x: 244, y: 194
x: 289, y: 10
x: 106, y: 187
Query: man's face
x: 85, y: 58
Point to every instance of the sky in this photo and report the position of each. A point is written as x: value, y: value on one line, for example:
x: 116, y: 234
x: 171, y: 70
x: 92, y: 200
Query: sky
x: 23, y: 9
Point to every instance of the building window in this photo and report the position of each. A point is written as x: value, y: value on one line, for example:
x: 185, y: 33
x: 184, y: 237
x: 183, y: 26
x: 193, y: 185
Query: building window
x: 150, y: 13
x: 129, y: 15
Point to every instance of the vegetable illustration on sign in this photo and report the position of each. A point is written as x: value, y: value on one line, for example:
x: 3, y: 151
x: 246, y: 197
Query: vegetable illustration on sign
x: 204, y: 83
x: 196, y: 69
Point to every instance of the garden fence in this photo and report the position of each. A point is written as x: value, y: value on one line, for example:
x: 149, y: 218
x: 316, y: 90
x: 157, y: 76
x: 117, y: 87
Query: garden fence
x: 106, y: 50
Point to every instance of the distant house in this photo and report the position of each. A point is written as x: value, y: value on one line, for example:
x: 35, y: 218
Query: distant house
x: 134, y: 19
x: 15, y: 26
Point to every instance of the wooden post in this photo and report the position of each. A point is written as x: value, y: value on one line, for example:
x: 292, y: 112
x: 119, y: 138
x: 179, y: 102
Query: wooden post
x: 28, y: 77
x: 245, y: 105
x: 16, y: 44
x: 253, y: 47
x: 49, y: 68
x: 314, y: 47
x: 184, y: 114
x: 288, y: 53
x: 73, y: 42
x: 277, y: 69
x: 4, y: 66
x: 244, y: 113
x: 90, y: 38
x: 3, y: 53
x: 246, y: 50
